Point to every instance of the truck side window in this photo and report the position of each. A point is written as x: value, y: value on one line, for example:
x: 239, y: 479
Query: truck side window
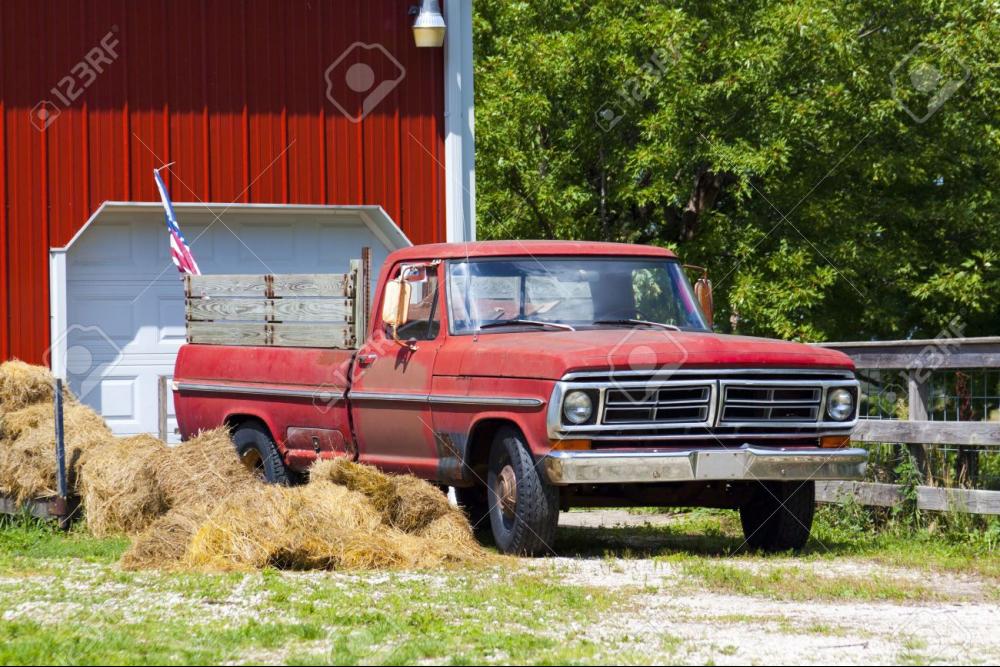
x: 423, y: 321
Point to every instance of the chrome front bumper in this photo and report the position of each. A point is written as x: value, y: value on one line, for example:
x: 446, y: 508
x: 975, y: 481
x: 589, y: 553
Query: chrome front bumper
x: 737, y: 463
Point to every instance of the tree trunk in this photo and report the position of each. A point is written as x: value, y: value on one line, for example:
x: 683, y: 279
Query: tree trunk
x: 707, y: 186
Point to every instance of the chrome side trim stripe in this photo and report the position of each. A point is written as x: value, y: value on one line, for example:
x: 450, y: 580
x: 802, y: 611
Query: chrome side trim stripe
x: 250, y: 390
x: 444, y: 399
x: 448, y: 399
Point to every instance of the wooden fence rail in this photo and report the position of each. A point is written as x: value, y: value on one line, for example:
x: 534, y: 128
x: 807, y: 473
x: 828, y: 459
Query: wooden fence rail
x: 916, y: 360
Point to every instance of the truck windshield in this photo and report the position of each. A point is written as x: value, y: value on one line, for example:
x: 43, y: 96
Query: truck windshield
x: 582, y: 293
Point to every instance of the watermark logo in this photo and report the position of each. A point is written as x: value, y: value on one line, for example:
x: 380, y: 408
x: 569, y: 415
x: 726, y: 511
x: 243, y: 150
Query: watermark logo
x: 85, y: 347
x: 44, y: 114
x: 924, y: 79
x: 609, y: 115
x: 80, y: 77
x: 640, y: 361
x: 635, y: 89
x: 360, y: 78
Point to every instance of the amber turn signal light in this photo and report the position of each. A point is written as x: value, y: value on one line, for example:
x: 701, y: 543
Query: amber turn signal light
x: 834, y: 441
x: 570, y: 445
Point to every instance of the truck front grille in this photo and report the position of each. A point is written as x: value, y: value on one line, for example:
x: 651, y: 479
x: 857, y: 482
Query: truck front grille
x: 705, y: 403
x: 748, y: 403
x: 658, y: 405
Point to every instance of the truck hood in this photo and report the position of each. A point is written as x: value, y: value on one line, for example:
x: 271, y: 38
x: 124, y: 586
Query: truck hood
x: 552, y: 354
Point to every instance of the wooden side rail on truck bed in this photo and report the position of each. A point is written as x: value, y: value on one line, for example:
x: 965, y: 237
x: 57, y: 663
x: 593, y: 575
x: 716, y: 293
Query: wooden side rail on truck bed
x: 286, y: 310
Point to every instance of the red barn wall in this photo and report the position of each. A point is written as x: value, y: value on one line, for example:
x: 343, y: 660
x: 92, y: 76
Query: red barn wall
x: 232, y: 91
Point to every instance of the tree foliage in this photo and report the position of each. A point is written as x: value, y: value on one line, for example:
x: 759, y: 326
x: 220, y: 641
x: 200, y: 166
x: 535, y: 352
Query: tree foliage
x: 834, y: 164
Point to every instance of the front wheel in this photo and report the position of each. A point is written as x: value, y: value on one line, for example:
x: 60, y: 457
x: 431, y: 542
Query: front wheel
x: 779, y: 516
x: 523, y: 508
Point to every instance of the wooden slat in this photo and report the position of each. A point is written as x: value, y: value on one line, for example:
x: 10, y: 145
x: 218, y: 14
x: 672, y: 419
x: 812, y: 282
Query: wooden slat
x: 40, y: 509
x: 928, y: 498
x: 311, y: 310
x: 359, y: 270
x: 312, y: 335
x: 935, y: 354
x: 222, y: 309
x: 927, y: 432
x: 311, y: 284
x: 226, y: 333
x: 226, y: 285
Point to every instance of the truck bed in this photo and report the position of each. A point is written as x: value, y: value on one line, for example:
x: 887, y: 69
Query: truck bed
x: 299, y: 393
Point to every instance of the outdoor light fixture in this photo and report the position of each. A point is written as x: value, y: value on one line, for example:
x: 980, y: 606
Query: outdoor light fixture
x: 429, y: 26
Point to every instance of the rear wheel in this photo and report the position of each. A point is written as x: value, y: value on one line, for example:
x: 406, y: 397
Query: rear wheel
x: 779, y: 516
x: 257, y: 451
x: 523, y: 508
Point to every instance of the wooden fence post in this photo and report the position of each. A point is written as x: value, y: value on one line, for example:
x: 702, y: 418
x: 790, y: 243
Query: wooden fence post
x: 917, y: 400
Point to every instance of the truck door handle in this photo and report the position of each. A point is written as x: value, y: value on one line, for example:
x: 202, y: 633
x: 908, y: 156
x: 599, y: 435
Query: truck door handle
x: 365, y: 360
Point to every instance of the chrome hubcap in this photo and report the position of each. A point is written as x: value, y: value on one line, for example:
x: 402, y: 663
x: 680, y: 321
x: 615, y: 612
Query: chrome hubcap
x: 507, y: 491
x: 253, y: 462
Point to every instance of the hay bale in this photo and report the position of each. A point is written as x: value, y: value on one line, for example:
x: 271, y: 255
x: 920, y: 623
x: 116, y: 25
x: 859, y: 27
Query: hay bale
x: 13, y: 424
x: 164, y: 543
x: 366, y: 480
x: 451, y: 537
x: 28, y: 462
x: 23, y: 384
x: 320, y: 525
x: 119, y: 486
x: 201, y: 470
x: 416, y: 503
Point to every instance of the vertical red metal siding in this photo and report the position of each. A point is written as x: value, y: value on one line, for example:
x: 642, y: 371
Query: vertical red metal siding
x: 233, y: 92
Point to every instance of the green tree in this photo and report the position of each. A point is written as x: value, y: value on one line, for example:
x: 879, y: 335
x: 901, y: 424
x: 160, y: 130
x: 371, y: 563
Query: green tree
x: 835, y: 164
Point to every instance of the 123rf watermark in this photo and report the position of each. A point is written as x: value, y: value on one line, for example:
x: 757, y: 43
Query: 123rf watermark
x: 925, y: 78
x: 360, y: 78
x: 636, y: 89
x: 80, y: 77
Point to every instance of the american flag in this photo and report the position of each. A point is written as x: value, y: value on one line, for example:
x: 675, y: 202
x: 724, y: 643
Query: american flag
x: 179, y: 250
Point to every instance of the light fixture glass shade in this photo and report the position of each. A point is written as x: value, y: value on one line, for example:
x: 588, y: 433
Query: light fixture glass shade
x: 429, y: 26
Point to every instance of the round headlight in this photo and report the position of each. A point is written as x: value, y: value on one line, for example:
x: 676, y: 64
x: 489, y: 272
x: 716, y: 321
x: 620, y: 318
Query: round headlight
x: 840, y: 404
x: 577, y: 407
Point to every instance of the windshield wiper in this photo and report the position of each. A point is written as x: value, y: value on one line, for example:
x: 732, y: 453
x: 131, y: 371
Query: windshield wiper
x: 533, y: 323
x: 647, y: 323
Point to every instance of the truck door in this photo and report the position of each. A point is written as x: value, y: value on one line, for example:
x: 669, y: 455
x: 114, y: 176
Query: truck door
x: 391, y: 382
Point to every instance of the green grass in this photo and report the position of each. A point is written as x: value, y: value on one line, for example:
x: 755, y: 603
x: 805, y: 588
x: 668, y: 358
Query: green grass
x: 63, y: 600
x: 801, y: 584
x: 25, y: 541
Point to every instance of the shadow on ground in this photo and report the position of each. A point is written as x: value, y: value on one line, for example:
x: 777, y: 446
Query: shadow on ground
x: 687, y: 535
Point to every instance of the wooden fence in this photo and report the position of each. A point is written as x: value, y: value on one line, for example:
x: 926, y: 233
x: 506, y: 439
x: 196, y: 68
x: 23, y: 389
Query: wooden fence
x: 916, y: 361
x: 287, y: 310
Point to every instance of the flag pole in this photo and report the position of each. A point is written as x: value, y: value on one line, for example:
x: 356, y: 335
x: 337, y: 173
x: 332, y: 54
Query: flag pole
x: 159, y: 169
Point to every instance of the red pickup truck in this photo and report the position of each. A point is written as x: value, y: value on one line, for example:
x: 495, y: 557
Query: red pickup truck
x: 537, y: 376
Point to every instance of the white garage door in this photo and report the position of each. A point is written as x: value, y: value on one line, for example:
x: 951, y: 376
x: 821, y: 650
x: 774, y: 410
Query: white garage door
x: 118, y: 302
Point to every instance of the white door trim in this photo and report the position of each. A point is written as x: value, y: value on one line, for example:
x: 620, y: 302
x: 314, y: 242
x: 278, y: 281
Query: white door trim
x: 459, y: 124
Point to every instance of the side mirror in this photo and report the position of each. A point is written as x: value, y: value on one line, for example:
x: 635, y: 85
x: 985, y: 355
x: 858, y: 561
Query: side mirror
x: 703, y: 292
x: 396, y: 304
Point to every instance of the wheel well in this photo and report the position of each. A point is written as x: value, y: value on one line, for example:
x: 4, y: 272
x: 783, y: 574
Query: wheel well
x: 233, y: 422
x: 477, y: 453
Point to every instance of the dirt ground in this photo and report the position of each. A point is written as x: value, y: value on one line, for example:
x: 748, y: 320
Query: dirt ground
x: 958, y: 624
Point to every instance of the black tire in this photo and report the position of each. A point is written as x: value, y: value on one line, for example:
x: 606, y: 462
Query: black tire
x: 256, y: 448
x: 779, y: 517
x: 527, y: 526
x: 472, y: 500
